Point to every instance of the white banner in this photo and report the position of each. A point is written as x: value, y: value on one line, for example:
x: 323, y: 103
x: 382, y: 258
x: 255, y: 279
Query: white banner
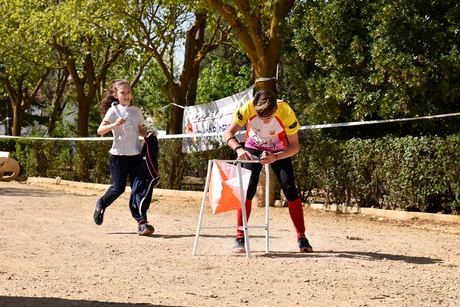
x: 213, y: 117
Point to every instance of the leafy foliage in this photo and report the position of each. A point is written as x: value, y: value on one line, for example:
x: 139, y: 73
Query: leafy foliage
x: 355, y: 60
x: 222, y: 77
x: 342, y: 60
x: 408, y: 173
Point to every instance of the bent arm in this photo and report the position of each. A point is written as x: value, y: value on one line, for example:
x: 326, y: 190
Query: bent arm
x: 229, y: 135
x: 232, y: 142
x: 107, y: 126
x: 142, y: 131
x: 292, y: 149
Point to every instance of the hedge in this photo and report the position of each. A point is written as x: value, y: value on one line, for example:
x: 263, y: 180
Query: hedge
x: 405, y: 173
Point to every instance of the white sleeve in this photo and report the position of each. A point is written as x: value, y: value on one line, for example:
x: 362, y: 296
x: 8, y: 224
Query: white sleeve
x: 110, y: 116
x: 141, y: 117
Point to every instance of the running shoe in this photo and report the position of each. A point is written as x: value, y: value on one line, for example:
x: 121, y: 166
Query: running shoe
x: 145, y: 229
x: 304, y: 245
x: 98, y: 214
x: 239, y: 247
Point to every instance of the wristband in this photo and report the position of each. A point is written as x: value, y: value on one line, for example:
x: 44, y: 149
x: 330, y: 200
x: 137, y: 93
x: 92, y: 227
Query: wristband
x: 237, y: 147
x: 233, y: 137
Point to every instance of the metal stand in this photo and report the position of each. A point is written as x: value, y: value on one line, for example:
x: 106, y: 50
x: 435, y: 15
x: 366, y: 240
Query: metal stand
x: 243, y: 207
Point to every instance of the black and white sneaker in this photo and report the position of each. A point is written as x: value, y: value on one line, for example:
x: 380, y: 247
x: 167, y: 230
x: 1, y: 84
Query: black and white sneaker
x: 98, y: 214
x: 145, y: 229
x: 239, y: 247
x: 304, y: 245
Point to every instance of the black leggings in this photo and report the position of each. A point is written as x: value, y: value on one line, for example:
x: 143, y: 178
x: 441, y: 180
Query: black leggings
x: 283, y: 170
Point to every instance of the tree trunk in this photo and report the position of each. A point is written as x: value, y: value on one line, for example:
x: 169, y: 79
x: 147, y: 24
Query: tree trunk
x: 176, y: 165
x: 88, y: 85
x: 58, y: 107
x: 262, y: 46
x: 183, y: 93
x: 180, y: 91
x: 17, y: 117
x: 20, y: 99
x: 267, y: 71
x: 16, y: 101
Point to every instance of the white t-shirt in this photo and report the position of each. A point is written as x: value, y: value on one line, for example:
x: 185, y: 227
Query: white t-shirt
x: 126, y: 137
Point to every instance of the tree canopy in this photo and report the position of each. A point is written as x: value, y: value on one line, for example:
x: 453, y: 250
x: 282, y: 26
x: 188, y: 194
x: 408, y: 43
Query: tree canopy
x: 340, y: 60
x: 354, y: 60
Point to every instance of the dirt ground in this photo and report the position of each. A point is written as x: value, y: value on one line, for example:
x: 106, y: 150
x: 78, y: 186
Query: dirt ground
x: 52, y: 254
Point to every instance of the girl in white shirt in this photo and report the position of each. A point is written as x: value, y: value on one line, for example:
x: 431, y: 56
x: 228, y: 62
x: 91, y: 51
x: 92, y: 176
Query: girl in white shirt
x: 125, y: 121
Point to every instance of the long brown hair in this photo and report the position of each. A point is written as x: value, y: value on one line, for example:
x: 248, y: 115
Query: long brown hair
x: 108, y: 96
x: 265, y: 102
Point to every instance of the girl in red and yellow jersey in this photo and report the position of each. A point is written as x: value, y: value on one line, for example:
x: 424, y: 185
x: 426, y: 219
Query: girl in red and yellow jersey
x: 271, y: 136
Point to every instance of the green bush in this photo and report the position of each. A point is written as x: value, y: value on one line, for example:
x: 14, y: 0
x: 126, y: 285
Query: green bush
x: 406, y: 173
x: 364, y: 185
x: 320, y: 165
x: 69, y: 160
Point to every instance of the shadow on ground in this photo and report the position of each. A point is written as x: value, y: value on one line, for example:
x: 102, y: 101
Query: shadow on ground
x: 371, y: 256
x: 16, y: 301
x: 14, y: 192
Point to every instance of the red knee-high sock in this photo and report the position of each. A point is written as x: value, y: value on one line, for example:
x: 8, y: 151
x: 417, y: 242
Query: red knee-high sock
x: 296, y: 213
x: 239, y: 218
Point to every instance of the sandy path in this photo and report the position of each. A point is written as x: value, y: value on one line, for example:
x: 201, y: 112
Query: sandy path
x: 52, y: 254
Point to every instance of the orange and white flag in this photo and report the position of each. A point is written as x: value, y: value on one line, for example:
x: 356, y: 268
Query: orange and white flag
x: 224, y: 186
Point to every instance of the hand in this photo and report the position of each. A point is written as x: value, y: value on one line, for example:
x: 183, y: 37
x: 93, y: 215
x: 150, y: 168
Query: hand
x: 243, y: 154
x: 151, y: 132
x: 120, y: 121
x: 268, y: 157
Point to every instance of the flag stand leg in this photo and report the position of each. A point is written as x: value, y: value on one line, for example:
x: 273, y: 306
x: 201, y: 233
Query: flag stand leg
x: 243, y: 209
x: 267, y: 207
x: 198, y: 226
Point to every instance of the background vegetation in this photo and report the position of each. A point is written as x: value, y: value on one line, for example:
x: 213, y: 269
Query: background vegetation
x: 337, y: 61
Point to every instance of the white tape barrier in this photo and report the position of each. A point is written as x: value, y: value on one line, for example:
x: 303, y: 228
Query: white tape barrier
x: 189, y: 135
x: 372, y: 122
